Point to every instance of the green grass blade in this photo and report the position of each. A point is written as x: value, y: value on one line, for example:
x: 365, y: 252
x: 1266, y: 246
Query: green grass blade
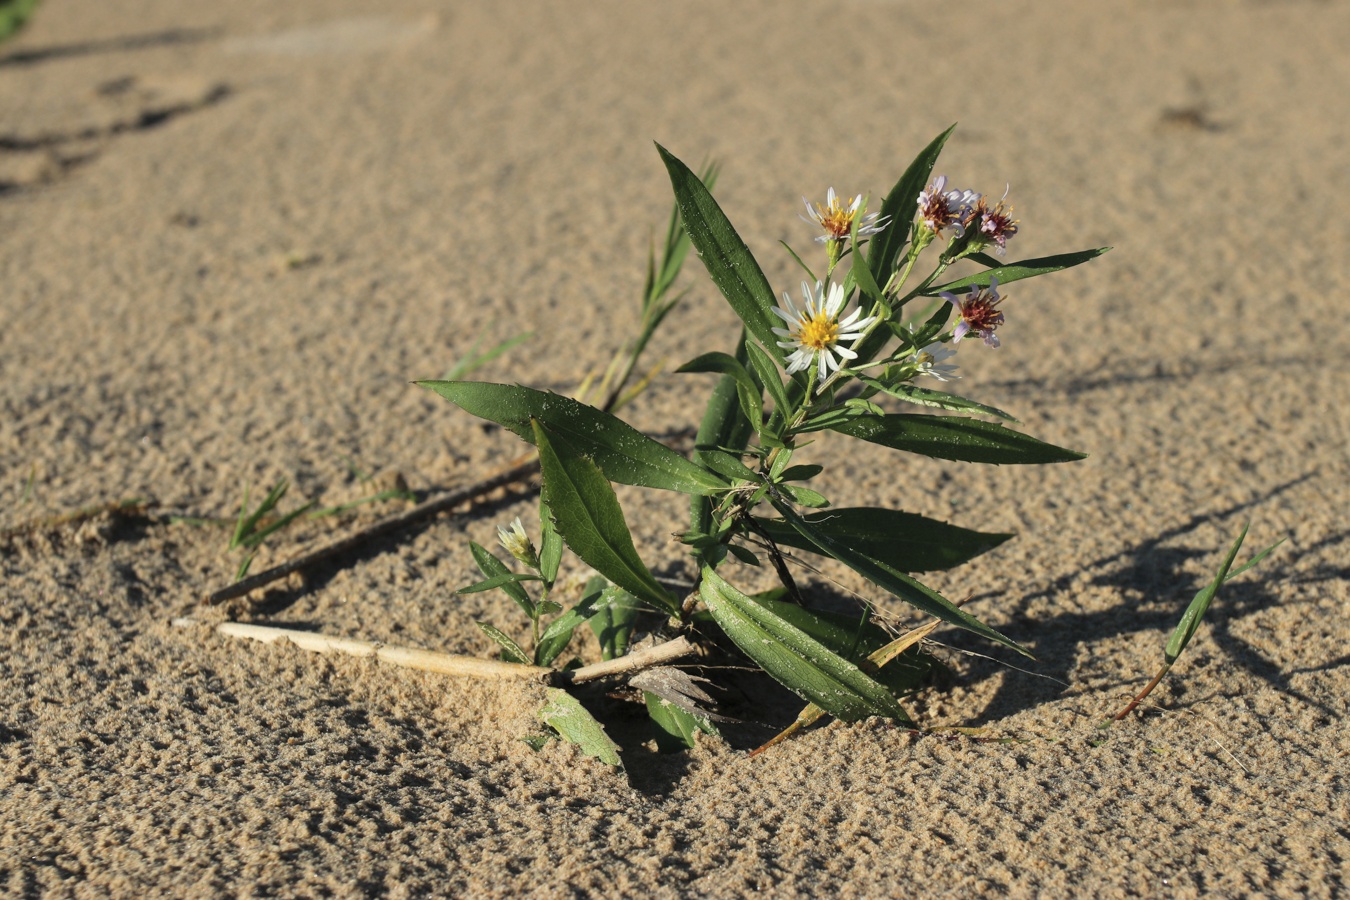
x: 1195, y: 612
x: 471, y: 362
x: 256, y: 538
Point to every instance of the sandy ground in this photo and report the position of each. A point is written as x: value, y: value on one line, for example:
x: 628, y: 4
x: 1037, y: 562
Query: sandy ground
x: 231, y: 234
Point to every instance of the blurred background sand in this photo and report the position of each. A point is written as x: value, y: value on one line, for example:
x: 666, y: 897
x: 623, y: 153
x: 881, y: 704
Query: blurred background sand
x: 232, y: 234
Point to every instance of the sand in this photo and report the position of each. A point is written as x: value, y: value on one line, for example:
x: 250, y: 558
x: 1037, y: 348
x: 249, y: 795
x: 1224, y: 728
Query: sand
x: 232, y: 234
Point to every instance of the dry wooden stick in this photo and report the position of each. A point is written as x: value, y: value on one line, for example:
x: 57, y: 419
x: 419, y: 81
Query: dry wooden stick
x: 406, y: 657
x: 519, y: 470
x: 452, y: 664
x: 646, y: 658
x: 129, y: 508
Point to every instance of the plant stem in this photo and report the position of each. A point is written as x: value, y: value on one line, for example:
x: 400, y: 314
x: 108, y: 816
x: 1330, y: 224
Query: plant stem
x: 1148, y: 689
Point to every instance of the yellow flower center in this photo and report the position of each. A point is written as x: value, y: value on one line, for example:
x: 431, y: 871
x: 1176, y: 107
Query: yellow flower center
x: 837, y: 220
x: 819, y: 333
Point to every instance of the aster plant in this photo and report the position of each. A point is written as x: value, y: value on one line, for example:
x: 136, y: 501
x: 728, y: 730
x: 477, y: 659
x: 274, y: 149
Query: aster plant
x: 867, y: 332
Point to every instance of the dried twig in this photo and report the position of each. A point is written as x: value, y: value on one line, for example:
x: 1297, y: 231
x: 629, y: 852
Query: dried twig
x: 519, y: 470
x: 451, y: 664
x: 640, y: 659
x: 134, y: 508
x: 407, y: 657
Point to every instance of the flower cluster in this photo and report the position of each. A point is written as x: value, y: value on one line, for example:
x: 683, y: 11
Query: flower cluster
x: 966, y: 211
x: 940, y: 208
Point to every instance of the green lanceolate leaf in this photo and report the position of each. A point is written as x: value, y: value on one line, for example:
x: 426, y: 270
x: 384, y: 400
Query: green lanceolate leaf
x: 623, y: 453
x: 498, y: 581
x: 922, y: 396
x: 764, y: 367
x: 675, y: 727
x: 494, y: 569
x: 615, y: 616
x: 588, y: 516
x: 565, y: 715
x: 723, y: 425
x: 854, y: 640
x: 728, y: 261
x: 798, y: 473
x: 795, y: 659
x: 904, y: 541
x: 510, y: 648
x: 860, y: 274
x: 748, y: 392
x: 550, y: 544
x: 901, y: 205
x: 744, y: 554
x: 805, y: 496
x: 934, y: 325
x: 558, y: 635
x: 726, y: 464
x: 954, y: 437
x: 917, y: 595
x: 1027, y: 268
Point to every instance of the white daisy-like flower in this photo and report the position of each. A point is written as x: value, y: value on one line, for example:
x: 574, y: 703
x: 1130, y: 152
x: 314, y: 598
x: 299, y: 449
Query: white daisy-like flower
x: 518, y: 543
x: 930, y: 361
x: 837, y: 219
x: 813, y: 334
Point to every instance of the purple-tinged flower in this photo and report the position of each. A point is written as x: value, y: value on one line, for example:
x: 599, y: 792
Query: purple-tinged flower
x: 979, y: 312
x: 994, y: 224
x: 837, y: 219
x: 813, y: 335
x: 940, y: 208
